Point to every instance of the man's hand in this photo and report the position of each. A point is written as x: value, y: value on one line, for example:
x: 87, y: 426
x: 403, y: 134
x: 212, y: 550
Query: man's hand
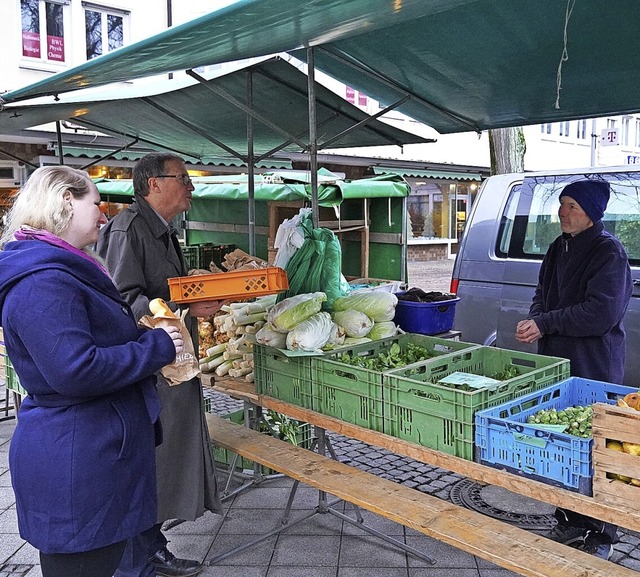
x: 205, y: 308
x: 527, y: 331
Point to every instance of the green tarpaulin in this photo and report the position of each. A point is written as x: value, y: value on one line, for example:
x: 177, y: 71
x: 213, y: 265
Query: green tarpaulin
x: 276, y: 186
x: 464, y: 65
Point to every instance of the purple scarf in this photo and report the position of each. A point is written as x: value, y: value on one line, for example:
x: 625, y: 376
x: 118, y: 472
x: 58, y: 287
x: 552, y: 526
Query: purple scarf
x: 27, y: 233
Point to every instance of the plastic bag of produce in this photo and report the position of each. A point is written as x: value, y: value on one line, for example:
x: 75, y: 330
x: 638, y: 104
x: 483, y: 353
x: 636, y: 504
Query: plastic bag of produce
x: 354, y: 323
x: 293, y: 310
x: 311, y: 334
x: 267, y: 336
x: 383, y: 330
x: 378, y: 306
x: 316, y: 265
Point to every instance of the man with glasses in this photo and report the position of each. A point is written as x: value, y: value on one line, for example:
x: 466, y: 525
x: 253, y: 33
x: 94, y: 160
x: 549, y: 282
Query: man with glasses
x: 141, y: 250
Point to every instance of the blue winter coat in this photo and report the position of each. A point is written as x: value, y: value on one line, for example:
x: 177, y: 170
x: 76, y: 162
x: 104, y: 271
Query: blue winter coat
x: 583, y: 292
x: 82, y: 455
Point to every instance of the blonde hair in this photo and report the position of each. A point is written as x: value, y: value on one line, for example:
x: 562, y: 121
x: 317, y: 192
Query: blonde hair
x: 41, y: 204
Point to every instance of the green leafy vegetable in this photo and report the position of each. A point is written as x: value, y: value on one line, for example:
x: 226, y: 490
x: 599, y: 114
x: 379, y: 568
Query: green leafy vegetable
x: 391, y: 359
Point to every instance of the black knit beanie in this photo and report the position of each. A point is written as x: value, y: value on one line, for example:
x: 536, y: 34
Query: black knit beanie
x: 591, y: 195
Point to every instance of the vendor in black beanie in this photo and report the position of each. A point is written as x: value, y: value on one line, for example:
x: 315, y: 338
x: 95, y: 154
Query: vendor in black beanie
x: 582, y: 295
x: 591, y: 195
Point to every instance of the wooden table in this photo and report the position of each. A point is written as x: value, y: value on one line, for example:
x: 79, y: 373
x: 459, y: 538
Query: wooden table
x: 628, y: 517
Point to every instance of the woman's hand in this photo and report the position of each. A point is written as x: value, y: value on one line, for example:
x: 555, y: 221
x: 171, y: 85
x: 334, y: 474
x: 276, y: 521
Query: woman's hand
x: 176, y: 336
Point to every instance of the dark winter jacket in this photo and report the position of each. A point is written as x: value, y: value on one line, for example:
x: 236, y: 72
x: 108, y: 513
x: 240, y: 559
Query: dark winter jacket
x: 141, y: 256
x: 583, y: 292
x: 82, y: 454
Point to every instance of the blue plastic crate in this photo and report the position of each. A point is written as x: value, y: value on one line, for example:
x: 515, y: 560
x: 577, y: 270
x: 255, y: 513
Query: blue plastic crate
x: 506, y: 441
x: 426, y: 318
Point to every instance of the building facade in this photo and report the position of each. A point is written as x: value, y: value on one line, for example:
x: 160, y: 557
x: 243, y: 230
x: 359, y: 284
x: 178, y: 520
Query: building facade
x: 43, y: 37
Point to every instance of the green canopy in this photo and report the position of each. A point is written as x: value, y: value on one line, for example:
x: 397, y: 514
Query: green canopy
x: 198, y: 120
x: 277, y: 186
x: 459, y: 65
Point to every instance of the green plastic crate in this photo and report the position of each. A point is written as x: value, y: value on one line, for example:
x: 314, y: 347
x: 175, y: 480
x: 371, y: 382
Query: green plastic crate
x: 224, y: 456
x: 354, y: 394
x: 192, y: 256
x: 282, y: 377
x: 442, y: 417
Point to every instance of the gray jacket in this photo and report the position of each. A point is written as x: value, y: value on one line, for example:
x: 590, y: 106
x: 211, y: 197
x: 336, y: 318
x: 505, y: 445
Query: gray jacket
x: 140, y: 257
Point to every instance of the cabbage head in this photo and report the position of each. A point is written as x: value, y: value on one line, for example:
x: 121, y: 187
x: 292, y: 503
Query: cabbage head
x: 293, y: 310
x: 378, y: 306
x: 336, y: 337
x: 354, y: 323
x: 383, y: 330
x: 311, y: 334
x: 267, y: 336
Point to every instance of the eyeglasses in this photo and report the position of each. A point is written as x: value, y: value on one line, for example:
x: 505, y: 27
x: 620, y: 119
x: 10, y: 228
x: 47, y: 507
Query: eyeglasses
x: 183, y: 178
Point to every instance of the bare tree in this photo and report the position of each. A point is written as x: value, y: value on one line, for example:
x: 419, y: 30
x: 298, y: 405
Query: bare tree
x: 507, y: 148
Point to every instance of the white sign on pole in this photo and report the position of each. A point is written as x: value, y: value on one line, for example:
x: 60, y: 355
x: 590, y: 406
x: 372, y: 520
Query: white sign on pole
x: 609, y: 137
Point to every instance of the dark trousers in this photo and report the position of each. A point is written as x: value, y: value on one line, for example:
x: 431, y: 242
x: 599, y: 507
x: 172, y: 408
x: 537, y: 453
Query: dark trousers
x: 96, y: 563
x: 135, y: 560
x: 607, y: 531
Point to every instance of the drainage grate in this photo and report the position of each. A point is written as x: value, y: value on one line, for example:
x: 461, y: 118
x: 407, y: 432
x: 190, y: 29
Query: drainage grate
x: 501, y: 504
x: 10, y: 570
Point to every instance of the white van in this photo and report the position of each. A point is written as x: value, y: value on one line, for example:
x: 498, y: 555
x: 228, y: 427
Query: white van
x: 512, y: 223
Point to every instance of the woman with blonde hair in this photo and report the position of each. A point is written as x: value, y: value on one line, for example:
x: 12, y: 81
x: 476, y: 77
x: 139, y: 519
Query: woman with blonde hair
x: 81, y: 458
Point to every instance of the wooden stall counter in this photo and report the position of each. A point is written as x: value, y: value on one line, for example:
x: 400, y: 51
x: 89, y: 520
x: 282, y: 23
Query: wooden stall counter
x: 625, y: 516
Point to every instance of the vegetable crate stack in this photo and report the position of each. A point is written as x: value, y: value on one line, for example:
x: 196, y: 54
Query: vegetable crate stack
x: 348, y: 383
x: 546, y: 435
x: 434, y: 402
x: 297, y: 329
x: 616, y: 452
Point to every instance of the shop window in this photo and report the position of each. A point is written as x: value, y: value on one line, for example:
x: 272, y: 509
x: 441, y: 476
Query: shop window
x: 439, y: 209
x: 43, y: 29
x: 105, y: 29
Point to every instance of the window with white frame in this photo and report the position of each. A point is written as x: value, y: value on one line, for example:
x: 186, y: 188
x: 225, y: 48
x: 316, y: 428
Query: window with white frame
x: 106, y: 29
x: 581, y: 129
x: 564, y: 128
x: 637, y: 132
x: 43, y: 29
x: 545, y: 128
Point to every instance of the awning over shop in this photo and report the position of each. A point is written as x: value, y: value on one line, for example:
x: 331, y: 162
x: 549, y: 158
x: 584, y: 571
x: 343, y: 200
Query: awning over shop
x: 132, y: 155
x: 275, y: 186
x: 203, y: 121
x: 417, y: 173
x: 461, y: 65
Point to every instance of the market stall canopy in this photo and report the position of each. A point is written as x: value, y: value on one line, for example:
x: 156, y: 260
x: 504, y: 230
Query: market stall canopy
x: 466, y: 65
x: 200, y: 120
x: 279, y: 186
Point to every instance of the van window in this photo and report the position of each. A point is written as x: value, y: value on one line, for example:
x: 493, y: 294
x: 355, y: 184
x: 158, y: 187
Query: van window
x: 529, y: 232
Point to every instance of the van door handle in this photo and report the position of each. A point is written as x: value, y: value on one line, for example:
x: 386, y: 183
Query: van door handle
x: 636, y: 282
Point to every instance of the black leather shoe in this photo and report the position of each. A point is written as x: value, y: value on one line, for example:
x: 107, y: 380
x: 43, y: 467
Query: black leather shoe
x: 167, y: 564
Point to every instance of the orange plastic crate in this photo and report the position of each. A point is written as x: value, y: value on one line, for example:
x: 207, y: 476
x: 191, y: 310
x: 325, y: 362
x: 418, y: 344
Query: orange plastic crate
x: 237, y: 284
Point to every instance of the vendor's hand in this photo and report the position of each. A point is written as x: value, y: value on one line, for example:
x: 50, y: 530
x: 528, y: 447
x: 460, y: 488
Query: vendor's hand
x: 176, y: 337
x: 527, y: 331
x: 205, y: 308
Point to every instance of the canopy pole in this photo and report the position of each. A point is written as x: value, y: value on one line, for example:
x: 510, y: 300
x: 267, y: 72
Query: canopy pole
x: 251, y: 211
x: 60, y: 151
x: 313, y: 137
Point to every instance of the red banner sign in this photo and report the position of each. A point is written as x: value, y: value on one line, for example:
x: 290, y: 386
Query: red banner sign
x: 55, y: 48
x: 30, y: 44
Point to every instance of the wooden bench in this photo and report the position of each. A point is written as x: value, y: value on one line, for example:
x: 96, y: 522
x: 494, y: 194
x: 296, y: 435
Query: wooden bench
x: 495, y: 541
